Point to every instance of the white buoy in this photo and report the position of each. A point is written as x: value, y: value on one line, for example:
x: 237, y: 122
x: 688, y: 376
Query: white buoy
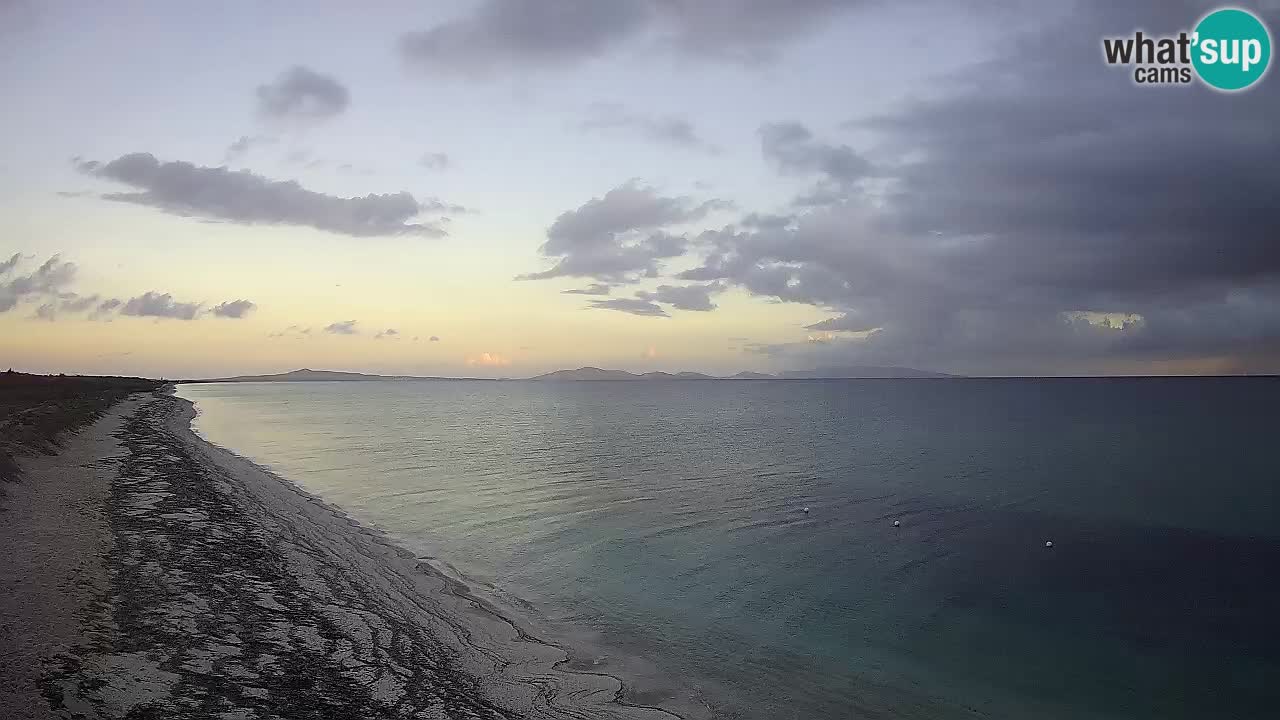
x: 896, y: 523
x: 806, y: 510
x: 1048, y: 543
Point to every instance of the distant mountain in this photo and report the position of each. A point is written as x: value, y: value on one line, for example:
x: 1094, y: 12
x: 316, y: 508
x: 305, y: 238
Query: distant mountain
x: 659, y: 375
x: 861, y: 371
x: 308, y: 375
x: 587, y: 374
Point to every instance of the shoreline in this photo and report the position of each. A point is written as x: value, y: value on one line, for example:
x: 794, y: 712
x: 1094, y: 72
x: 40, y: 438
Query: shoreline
x: 226, y: 590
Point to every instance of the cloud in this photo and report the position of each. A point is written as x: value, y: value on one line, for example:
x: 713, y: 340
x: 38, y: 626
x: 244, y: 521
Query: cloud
x: 244, y: 144
x: 342, y: 327
x: 46, y: 281
x: 848, y: 322
x: 747, y: 31
x: 234, y: 308
x: 304, y: 95
x: 296, y: 332
x: 620, y: 236
x: 592, y: 289
x: 64, y: 302
x: 73, y: 303
x: 435, y: 205
x: 434, y: 338
x: 1016, y: 211
x: 105, y: 308
x: 391, y: 333
x: 686, y: 297
x: 632, y: 306
x: 507, y: 34
x: 488, y: 360
x: 645, y: 302
x: 435, y: 161
x: 516, y: 35
x: 49, y: 282
x: 240, y: 196
x: 792, y: 148
x: 668, y: 130
x: 160, y: 305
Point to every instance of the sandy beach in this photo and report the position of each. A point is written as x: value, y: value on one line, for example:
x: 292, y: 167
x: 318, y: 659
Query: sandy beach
x: 156, y: 575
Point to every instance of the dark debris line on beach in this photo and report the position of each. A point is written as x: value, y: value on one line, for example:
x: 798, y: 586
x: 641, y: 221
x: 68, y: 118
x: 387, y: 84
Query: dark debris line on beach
x: 210, y: 615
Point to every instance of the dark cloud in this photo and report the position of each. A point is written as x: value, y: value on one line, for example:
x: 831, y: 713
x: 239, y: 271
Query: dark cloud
x: 435, y: 161
x: 342, y: 327
x: 434, y: 338
x: 506, y: 34
x: 234, y: 308
x: 240, y: 196
x: 742, y: 30
x: 646, y: 302
x: 105, y: 308
x: 391, y: 333
x: 620, y: 237
x: 684, y: 297
x: 667, y: 130
x: 45, y: 287
x: 1032, y: 208
x: 633, y: 306
x: 302, y: 94
x: 160, y: 305
x: 592, y: 289
x: 792, y: 148
x: 45, y: 282
x: 520, y: 34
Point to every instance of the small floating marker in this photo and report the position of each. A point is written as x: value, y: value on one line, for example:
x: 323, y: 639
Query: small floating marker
x: 897, y: 524
x: 806, y: 510
x: 1048, y: 543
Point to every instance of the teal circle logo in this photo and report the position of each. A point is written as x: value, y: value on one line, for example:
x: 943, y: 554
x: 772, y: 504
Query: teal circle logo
x: 1232, y: 49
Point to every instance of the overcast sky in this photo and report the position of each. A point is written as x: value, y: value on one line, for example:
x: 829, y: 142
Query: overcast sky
x: 505, y: 187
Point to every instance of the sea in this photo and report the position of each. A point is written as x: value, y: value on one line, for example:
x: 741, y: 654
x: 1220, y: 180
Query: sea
x: 832, y: 548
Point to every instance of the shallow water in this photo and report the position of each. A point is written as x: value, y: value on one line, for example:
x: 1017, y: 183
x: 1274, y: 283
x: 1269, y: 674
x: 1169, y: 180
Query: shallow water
x: 664, y: 522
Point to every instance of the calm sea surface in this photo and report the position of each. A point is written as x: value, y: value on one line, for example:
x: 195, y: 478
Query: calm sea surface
x: 663, y: 523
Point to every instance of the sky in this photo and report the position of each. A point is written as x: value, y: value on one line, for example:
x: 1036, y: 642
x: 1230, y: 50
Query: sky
x: 499, y: 188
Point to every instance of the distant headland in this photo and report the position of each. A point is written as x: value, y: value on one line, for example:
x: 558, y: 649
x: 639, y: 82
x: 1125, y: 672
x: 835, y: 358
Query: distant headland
x: 590, y: 374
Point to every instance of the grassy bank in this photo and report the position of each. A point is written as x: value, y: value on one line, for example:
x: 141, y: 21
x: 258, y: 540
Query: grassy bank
x: 36, y: 410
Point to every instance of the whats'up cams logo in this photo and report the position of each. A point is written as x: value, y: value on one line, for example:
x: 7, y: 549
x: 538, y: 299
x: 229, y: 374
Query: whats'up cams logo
x: 1229, y: 50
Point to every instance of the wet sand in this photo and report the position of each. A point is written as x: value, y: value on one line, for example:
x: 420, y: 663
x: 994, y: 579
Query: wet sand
x: 156, y: 575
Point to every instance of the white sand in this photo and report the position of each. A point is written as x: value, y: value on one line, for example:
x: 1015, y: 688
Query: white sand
x: 54, y: 541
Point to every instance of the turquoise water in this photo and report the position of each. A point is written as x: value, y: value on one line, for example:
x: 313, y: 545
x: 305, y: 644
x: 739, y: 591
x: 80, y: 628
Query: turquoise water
x: 663, y: 522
